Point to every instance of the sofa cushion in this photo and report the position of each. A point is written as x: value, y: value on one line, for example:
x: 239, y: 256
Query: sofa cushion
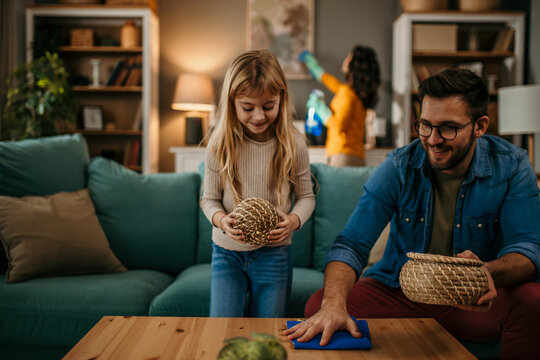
x: 43, y: 166
x: 150, y: 220
x: 58, y: 311
x: 53, y: 235
x: 189, y: 294
x: 339, y: 191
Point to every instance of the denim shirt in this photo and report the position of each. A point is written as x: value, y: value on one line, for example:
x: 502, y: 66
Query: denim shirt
x: 497, y: 210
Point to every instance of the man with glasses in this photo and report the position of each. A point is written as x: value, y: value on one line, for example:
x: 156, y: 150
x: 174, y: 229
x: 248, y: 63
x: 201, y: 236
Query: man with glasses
x: 453, y: 191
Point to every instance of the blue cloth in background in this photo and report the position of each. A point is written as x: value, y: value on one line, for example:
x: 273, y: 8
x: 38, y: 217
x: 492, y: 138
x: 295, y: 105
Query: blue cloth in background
x: 341, y: 340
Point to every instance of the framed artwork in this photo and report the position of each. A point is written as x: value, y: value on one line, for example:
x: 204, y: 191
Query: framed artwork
x: 284, y: 27
x: 92, y: 117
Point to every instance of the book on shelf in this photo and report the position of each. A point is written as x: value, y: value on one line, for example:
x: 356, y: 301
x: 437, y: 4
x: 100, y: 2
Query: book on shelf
x: 116, y: 71
x: 134, y: 152
x: 137, y: 119
x: 135, y: 72
x: 124, y: 72
x: 504, y: 40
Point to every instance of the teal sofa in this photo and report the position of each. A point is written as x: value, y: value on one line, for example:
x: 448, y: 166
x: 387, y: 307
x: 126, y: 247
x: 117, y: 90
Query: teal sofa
x: 156, y: 229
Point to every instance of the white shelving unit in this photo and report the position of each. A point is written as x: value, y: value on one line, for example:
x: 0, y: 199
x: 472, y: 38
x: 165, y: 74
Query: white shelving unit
x: 120, y: 101
x: 403, y: 56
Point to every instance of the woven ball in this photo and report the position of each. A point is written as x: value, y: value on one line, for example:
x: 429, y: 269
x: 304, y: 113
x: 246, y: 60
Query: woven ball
x: 256, y: 218
x: 443, y: 280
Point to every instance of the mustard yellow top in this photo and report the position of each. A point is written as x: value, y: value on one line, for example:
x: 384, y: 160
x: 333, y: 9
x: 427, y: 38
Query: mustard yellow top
x: 346, y: 126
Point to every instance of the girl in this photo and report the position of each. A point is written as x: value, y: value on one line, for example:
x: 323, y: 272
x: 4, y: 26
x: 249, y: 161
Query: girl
x: 346, y: 125
x: 254, y: 151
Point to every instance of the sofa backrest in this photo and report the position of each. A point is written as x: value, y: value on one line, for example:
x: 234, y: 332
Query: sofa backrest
x: 43, y: 166
x: 150, y: 220
x: 339, y: 191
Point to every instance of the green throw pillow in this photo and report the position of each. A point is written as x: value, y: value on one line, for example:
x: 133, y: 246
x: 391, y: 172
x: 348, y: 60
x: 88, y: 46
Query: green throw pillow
x: 150, y: 220
x: 53, y: 235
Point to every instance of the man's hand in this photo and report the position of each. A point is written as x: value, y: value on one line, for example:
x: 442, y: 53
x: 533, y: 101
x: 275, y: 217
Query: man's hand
x: 326, y: 321
x: 484, y: 302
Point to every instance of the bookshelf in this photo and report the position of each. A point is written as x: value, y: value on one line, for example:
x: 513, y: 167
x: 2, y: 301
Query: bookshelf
x: 130, y: 133
x: 492, y: 44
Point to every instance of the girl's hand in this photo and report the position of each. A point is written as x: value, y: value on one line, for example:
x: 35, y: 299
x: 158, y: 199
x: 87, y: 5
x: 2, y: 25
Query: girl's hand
x: 287, y: 225
x: 226, y: 225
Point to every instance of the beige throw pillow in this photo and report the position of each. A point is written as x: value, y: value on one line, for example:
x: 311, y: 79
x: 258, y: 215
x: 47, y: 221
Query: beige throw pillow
x: 54, y: 235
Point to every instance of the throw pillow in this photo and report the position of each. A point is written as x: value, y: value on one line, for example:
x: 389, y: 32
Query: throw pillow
x: 53, y: 235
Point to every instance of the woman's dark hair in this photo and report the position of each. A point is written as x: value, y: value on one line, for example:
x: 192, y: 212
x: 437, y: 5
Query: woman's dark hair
x: 458, y: 82
x: 365, y: 75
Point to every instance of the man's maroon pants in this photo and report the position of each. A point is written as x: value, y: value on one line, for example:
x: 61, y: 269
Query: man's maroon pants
x: 514, y: 317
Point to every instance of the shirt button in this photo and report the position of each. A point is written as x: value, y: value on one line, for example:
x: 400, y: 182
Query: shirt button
x: 479, y: 225
x: 407, y: 219
x: 462, y: 196
x: 458, y: 226
x: 421, y: 219
x: 496, y: 220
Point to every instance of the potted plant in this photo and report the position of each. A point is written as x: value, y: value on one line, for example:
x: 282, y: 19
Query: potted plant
x: 39, y: 100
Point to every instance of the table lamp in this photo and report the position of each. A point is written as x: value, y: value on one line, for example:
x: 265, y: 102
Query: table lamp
x: 194, y: 93
x: 519, y: 113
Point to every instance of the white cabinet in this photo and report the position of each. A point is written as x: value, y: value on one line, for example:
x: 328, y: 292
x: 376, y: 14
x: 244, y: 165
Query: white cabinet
x: 119, y: 103
x: 188, y: 159
x: 476, y: 38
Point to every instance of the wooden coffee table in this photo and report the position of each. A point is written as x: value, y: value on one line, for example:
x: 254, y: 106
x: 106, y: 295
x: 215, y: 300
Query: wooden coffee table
x: 124, y: 337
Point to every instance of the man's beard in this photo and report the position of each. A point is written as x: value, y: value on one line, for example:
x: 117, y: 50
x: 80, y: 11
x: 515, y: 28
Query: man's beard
x: 455, y: 159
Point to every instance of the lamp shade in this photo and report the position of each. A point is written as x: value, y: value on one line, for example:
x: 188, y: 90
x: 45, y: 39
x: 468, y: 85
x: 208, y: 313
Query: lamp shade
x: 193, y: 92
x: 519, y: 109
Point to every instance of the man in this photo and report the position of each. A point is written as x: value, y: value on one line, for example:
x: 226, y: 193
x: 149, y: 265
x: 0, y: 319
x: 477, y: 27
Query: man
x: 453, y: 191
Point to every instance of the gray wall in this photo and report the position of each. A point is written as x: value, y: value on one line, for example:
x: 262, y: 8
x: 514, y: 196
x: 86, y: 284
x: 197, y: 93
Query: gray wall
x: 205, y: 35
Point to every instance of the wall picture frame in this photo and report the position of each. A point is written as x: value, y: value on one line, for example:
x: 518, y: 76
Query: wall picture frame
x: 92, y: 117
x: 284, y: 27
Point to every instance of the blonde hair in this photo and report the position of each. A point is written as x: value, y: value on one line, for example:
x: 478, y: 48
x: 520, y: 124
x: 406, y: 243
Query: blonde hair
x: 253, y: 74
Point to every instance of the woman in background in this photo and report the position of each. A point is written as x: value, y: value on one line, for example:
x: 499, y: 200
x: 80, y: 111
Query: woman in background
x: 350, y: 105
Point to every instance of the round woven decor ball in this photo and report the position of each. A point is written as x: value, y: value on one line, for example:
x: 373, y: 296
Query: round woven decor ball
x: 442, y: 280
x: 256, y: 218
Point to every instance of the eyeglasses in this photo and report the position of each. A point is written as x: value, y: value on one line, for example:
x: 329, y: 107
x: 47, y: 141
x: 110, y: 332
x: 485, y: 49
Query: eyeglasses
x: 447, y: 132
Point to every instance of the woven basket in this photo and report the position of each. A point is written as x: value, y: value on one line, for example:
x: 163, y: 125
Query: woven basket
x: 256, y: 218
x: 443, y: 280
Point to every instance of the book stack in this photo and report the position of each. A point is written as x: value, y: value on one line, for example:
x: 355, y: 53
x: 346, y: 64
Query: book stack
x: 504, y: 40
x: 127, y: 72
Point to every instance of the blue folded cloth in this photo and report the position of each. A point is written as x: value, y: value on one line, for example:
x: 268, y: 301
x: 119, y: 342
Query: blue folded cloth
x: 341, y: 340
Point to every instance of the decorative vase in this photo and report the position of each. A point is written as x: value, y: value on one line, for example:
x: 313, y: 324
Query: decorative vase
x: 129, y: 35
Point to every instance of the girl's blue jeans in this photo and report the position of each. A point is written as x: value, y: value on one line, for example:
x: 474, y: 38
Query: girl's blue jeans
x: 265, y: 274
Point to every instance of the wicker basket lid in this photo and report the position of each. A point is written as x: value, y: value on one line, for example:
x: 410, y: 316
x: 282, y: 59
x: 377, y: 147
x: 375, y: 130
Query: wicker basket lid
x: 444, y: 259
x: 256, y: 217
x: 442, y: 280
